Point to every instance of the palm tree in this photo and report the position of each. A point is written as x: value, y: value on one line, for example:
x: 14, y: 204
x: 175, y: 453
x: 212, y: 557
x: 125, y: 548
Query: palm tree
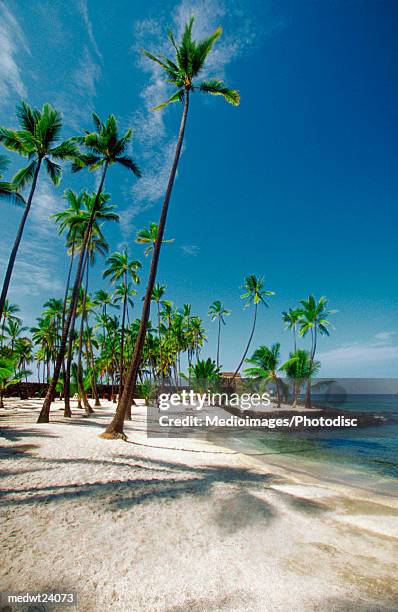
x: 74, y: 221
x: 314, y: 320
x: 300, y: 367
x: 23, y: 352
x: 105, y: 147
x: 254, y: 295
x: 189, y: 61
x: 148, y: 236
x: 14, y: 330
x: 8, y: 190
x: 204, y: 375
x: 217, y: 312
x: 38, y: 140
x: 9, y: 314
x: 266, y: 361
x: 120, y: 267
x: 291, y: 319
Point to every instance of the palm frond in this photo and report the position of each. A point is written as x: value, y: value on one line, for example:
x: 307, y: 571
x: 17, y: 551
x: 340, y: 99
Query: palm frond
x: 12, y: 140
x: 176, y: 97
x: 24, y: 176
x: 8, y: 192
x: 217, y: 88
x: 85, y: 161
x: 127, y: 162
x: 66, y: 150
x: 54, y: 171
x: 27, y: 116
x: 4, y: 163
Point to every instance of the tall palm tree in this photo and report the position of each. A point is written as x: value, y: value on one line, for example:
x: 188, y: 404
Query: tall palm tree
x: 104, y: 148
x: 38, y: 140
x: 74, y: 221
x: 189, y: 61
x: 314, y: 320
x: 291, y: 319
x: 217, y: 312
x: 266, y: 361
x: 121, y: 267
x: 148, y: 236
x: 254, y: 295
x: 8, y: 190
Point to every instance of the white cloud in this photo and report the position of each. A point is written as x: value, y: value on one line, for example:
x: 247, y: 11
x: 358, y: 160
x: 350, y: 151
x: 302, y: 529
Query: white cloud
x: 381, y: 349
x: 12, y: 41
x: 190, y: 249
x: 35, y: 271
x: 83, y: 8
x: 77, y: 101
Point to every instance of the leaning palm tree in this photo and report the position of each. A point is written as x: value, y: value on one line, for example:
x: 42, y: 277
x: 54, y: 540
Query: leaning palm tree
x: 38, y: 140
x: 189, y: 61
x: 265, y: 362
x: 314, y: 321
x: 217, y: 312
x: 148, y: 237
x: 254, y: 295
x: 104, y: 148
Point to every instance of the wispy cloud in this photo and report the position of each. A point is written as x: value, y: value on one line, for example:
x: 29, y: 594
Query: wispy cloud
x: 83, y: 8
x: 78, y: 100
x: 381, y: 349
x: 190, y: 249
x: 12, y: 42
x: 36, y: 265
x: 155, y: 141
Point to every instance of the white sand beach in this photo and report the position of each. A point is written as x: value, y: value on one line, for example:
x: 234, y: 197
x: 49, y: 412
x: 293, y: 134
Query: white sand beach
x: 182, y: 524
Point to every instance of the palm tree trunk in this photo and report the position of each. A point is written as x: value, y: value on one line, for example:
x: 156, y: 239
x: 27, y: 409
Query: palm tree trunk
x: 249, y: 342
x: 63, y: 319
x: 122, y: 340
x: 115, y: 427
x: 94, y: 382
x: 67, y: 409
x: 44, y: 416
x: 80, y: 383
x: 17, y: 241
x: 218, y: 342
x: 308, y: 401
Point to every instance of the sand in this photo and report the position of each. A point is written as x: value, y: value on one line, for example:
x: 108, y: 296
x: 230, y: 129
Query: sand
x: 180, y: 525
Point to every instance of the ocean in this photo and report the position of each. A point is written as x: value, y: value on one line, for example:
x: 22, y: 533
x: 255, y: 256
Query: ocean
x: 364, y: 456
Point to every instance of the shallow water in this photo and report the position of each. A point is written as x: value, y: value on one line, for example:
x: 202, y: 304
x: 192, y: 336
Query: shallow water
x: 366, y: 457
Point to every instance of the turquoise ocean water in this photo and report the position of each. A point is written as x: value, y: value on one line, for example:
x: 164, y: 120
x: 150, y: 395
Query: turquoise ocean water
x: 363, y: 456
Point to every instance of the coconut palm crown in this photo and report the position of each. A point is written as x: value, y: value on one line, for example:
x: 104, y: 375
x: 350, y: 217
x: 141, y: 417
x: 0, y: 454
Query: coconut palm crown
x: 104, y: 146
x: 38, y: 140
x: 188, y: 63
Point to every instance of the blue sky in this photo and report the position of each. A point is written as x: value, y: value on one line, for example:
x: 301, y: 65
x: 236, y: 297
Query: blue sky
x: 299, y: 184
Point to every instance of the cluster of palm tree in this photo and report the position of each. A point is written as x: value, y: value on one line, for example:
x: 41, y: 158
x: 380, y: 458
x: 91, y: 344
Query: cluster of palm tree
x: 39, y: 140
x: 311, y: 317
